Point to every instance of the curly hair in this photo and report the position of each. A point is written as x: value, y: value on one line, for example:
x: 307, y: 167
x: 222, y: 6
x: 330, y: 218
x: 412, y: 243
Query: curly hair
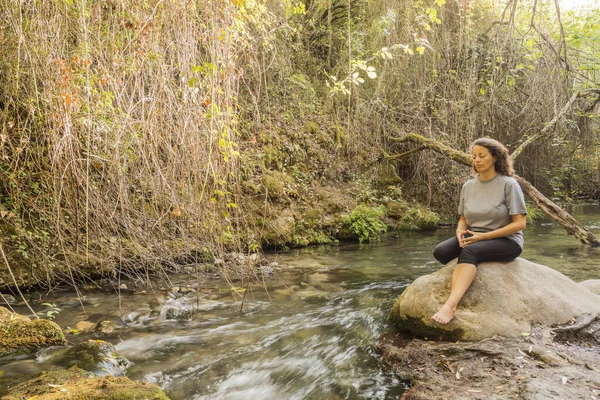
x: 503, y: 164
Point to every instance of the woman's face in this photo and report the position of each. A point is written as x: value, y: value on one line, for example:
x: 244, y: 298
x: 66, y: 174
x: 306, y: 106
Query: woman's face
x: 482, y: 159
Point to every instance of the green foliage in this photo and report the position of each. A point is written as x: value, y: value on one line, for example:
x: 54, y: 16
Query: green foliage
x: 51, y: 311
x: 365, y: 222
x: 418, y: 218
x: 533, y: 213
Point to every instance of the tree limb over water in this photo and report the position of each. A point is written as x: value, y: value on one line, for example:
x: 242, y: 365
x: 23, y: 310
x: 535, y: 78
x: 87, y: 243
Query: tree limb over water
x: 558, y: 214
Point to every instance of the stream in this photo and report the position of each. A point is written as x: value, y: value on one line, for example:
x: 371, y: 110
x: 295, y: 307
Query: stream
x: 307, y: 332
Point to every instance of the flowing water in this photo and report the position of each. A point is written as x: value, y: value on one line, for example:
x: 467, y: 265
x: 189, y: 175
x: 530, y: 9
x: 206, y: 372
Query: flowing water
x: 309, y: 335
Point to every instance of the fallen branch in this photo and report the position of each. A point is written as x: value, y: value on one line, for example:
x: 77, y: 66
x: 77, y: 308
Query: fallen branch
x: 397, y: 157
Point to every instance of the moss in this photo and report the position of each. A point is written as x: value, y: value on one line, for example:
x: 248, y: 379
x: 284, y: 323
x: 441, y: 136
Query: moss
x: 76, y: 384
x: 387, y: 176
x: 280, y: 230
x: 273, y: 158
x: 313, y: 216
x: 418, y: 218
x: 20, y: 334
x: 340, y: 135
x: 305, y: 236
x: 275, y: 185
x: 310, y: 127
x: 396, y: 209
x: 249, y: 187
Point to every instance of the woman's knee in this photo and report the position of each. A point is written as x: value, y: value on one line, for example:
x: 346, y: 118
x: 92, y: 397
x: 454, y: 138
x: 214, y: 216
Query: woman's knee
x: 469, y: 255
x: 444, y: 252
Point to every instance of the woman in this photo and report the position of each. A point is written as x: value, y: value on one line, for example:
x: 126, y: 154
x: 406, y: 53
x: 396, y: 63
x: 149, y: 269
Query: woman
x: 492, y: 218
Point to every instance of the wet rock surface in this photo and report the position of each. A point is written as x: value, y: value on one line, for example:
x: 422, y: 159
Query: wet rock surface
x: 20, y: 334
x: 95, y: 356
x: 505, y: 298
x: 77, y: 384
x: 559, y: 363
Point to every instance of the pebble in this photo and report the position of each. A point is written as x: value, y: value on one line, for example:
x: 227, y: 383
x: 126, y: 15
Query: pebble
x: 84, y: 326
x: 105, y: 327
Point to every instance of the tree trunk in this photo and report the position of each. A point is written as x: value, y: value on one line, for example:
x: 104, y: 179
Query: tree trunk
x: 559, y: 215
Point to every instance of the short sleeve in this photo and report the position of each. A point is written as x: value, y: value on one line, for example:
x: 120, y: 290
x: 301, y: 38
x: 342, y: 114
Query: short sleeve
x: 461, y: 202
x: 515, y: 201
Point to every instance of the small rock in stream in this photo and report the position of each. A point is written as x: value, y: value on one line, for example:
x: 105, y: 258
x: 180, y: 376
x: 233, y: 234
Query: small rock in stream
x: 85, y: 326
x: 105, y: 327
x: 8, y: 298
x: 96, y: 356
x: 19, y: 334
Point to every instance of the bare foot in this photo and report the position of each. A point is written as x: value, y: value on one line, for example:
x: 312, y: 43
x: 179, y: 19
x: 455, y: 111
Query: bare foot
x: 444, y: 315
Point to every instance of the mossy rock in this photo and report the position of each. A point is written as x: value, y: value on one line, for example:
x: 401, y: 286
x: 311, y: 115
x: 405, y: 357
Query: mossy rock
x: 280, y: 230
x: 273, y: 157
x: 19, y: 334
x: 304, y: 235
x: 396, y: 209
x: 275, y: 185
x: 76, y: 384
x: 418, y: 218
x: 96, y: 356
x: 387, y: 176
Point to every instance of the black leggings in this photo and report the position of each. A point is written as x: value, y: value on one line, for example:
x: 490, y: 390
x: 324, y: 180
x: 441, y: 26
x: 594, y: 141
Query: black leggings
x: 501, y: 249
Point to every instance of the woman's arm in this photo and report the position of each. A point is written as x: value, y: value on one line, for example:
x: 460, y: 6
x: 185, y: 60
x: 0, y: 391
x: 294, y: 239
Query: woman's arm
x: 461, y: 229
x: 519, y: 222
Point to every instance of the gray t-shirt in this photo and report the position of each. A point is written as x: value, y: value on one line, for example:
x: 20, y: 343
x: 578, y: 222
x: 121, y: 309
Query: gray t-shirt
x: 488, y: 205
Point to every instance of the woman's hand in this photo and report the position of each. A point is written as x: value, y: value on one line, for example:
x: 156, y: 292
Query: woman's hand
x: 475, y: 237
x: 460, y: 236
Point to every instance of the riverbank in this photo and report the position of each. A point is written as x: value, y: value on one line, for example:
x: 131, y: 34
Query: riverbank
x: 560, y: 362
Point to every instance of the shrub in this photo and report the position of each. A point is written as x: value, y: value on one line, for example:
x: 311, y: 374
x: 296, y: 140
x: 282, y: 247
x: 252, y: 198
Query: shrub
x: 417, y: 218
x: 365, y: 222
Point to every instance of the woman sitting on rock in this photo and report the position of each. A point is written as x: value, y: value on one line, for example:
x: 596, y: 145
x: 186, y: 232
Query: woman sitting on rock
x: 492, y: 218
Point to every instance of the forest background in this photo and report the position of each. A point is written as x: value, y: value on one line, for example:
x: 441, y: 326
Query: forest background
x: 145, y: 137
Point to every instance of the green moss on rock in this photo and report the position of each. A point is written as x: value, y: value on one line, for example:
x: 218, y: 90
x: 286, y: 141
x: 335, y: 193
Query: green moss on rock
x: 418, y: 218
x: 274, y: 184
x: 20, y: 334
x: 76, y: 384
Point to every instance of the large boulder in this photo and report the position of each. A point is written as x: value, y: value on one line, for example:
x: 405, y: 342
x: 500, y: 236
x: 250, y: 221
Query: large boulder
x: 505, y: 299
x: 593, y: 285
x: 20, y: 334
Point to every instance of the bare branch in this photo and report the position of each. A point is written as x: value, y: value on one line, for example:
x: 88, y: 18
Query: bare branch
x: 545, y: 132
x: 397, y: 157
